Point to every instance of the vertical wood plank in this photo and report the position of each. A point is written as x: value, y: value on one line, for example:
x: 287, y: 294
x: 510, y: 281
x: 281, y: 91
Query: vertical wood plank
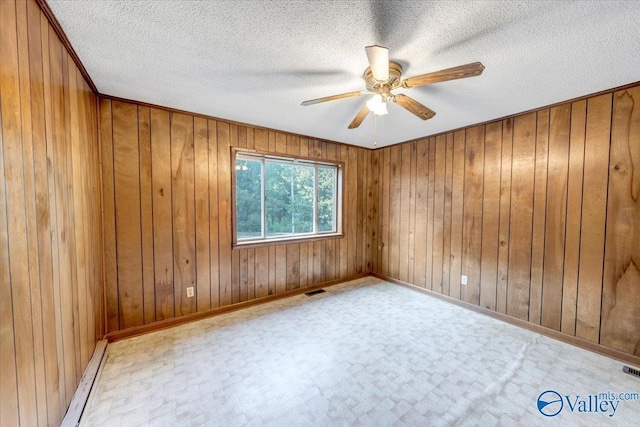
x: 262, y: 271
x: 491, y: 215
x: 244, y: 274
x: 109, y: 220
x: 318, y: 262
x: 303, y: 263
x: 59, y: 166
x: 524, y: 133
x: 9, y: 414
x: 224, y: 212
x: 558, y: 168
x: 505, y: 216
x: 457, y: 212
x: 574, y: 217
x: 472, y: 225
x: 344, y: 245
x: 352, y: 215
x: 128, y: 231
x: 202, y: 260
x: 395, y: 191
x: 404, y: 213
x: 539, y: 214
x: 422, y: 179
x: 29, y: 116
x: 146, y: 214
x: 594, y: 211
x: 430, y: 211
x: 272, y: 270
x: 448, y: 184
x: 214, y: 262
x: 182, y: 175
x: 251, y: 264
x: 281, y: 268
x: 620, y: 321
x: 235, y: 276
x: 45, y: 205
x: 438, y: 213
x: 412, y: 211
x: 162, y: 213
x: 375, y: 210
x: 262, y: 140
x: 384, y: 224
x: 293, y: 266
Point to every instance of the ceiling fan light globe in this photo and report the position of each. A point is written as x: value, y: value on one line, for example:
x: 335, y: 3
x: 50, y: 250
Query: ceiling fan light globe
x: 374, y: 101
x: 381, y: 109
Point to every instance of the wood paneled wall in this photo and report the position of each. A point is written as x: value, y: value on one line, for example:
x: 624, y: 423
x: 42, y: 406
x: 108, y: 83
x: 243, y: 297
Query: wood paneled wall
x: 167, y: 202
x: 541, y: 211
x: 51, y: 299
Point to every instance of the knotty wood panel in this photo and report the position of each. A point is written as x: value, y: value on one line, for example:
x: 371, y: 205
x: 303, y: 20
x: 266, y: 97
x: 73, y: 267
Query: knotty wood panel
x: 457, y: 213
x: 539, y: 216
x: 404, y: 213
x: 430, y: 211
x: 128, y: 227
x: 162, y: 215
x: 505, y: 216
x: 594, y: 206
x: 558, y: 167
x: 51, y: 232
x: 146, y: 216
x: 620, y: 326
x: 438, y: 213
x: 522, y: 180
x: 539, y: 210
x: 446, y: 269
x: 490, y: 215
x: 420, y: 245
x: 472, y: 225
x: 574, y: 216
x: 183, y: 203
x: 189, y: 186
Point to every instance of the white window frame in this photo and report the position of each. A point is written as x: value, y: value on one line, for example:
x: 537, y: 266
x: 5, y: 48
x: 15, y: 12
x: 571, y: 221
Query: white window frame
x: 270, y: 157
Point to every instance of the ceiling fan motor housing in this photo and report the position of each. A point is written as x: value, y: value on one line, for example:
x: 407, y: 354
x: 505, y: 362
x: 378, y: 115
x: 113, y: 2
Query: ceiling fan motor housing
x: 384, y: 87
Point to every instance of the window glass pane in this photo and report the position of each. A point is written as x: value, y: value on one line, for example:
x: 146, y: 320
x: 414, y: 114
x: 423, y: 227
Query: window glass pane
x: 326, y: 198
x: 289, y: 199
x: 248, y: 203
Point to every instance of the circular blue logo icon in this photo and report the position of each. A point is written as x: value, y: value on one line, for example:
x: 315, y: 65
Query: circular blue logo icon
x: 550, y: 403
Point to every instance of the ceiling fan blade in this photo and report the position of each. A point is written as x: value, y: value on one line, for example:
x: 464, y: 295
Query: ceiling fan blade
x: 461, y: 72
x: 333, y: 97
x: 359, y: 117
x: 414, y: 106
x: 379, y: 62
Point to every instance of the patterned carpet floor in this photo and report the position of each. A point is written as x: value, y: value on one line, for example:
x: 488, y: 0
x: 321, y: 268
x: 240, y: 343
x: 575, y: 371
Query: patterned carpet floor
x: 366, y: 353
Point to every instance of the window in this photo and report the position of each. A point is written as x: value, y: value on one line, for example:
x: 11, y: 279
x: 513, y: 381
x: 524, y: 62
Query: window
x: 279, y: 198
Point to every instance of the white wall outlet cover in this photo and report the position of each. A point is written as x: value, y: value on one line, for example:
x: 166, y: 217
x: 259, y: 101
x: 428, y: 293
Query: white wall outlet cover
x: 463, y: 280
x: 190, y: 292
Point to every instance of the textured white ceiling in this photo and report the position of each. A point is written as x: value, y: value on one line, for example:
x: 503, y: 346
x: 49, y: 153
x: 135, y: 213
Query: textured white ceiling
x: 256, y: 61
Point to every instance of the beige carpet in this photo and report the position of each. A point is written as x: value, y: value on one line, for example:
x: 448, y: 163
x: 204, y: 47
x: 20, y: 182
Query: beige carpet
x: 364, y: 353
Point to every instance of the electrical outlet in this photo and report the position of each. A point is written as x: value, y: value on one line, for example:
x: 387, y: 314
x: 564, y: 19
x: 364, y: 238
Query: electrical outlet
x: 463, y: 280
x: 190, y: 292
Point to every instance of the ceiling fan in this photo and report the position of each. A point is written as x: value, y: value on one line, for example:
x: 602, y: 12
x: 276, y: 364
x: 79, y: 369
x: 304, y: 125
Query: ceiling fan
x: 383, y: 76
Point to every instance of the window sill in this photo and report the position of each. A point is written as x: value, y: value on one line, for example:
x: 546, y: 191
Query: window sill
x: 283, y: 241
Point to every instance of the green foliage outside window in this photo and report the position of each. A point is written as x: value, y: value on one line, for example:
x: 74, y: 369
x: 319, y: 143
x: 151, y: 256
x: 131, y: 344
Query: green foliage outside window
x: 289, y: 192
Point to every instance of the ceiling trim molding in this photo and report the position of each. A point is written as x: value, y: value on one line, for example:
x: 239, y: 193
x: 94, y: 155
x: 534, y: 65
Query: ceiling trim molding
x: 66, y: 43
x: 514, y: 115
x: 220, y: 119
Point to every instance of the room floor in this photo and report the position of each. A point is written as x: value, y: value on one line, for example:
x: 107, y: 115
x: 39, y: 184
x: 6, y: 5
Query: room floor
x: 367, y: 353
